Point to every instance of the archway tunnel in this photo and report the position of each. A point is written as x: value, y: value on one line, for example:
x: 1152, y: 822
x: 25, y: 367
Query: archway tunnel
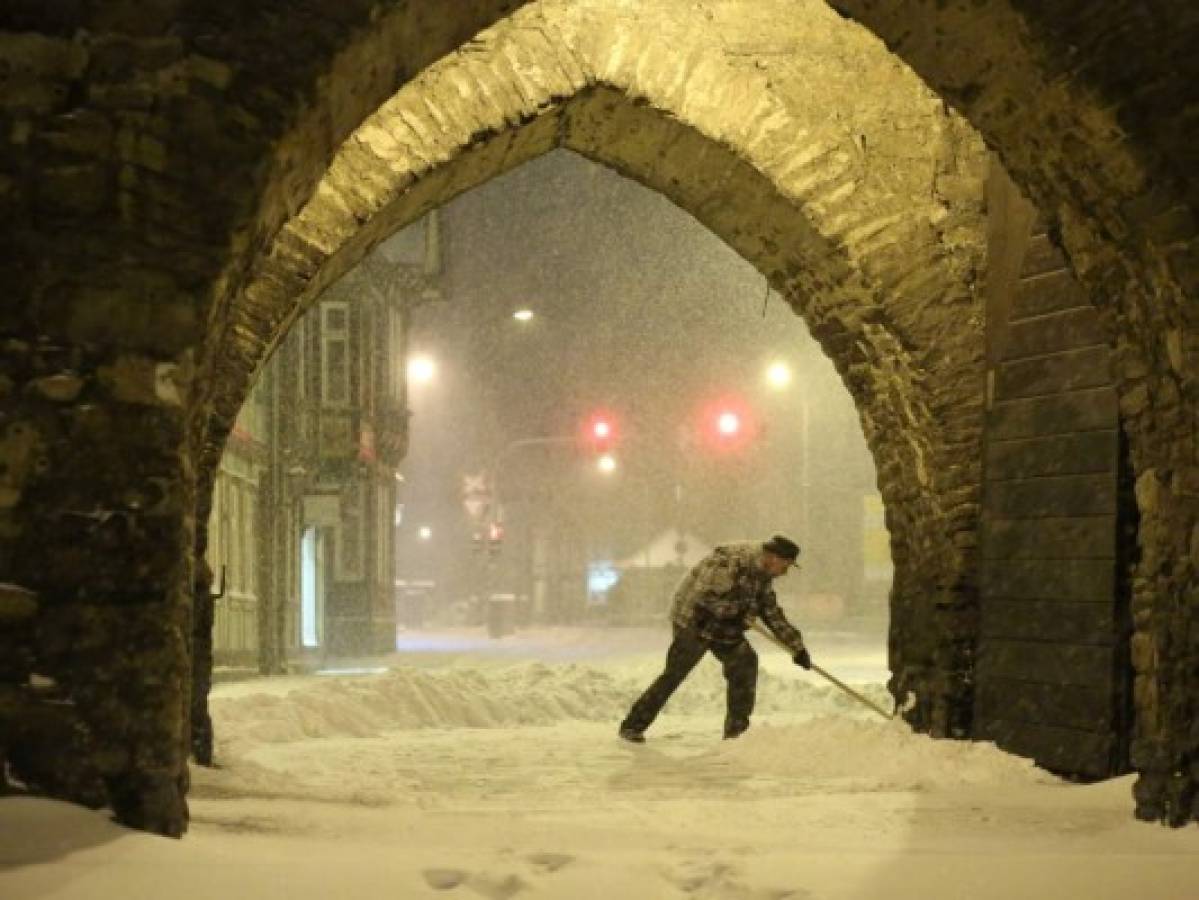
x: 1022, y: 368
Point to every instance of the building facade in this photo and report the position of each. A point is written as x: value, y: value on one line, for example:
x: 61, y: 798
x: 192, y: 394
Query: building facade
x: 302, y: 527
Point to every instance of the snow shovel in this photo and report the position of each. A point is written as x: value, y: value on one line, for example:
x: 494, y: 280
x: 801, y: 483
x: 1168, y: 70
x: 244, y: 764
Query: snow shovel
x: 865, y: 701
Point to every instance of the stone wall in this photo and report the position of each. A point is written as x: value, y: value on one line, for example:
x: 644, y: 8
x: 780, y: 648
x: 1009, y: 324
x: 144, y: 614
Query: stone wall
x: 144, y: 149
x: 1093, y: 113
x: 1053, y: 679
x: 171, y: 199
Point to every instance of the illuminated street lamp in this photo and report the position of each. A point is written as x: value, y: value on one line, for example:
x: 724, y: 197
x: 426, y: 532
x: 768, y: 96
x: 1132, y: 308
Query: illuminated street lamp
x: 425, y: 532
x: 421, y: 369
x: 728, y: 423
x: 778, y: 375
x: 606, y: 463
x: 523, y: 315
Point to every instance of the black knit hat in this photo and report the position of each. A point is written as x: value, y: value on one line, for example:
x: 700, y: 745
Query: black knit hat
x: 782, y: 547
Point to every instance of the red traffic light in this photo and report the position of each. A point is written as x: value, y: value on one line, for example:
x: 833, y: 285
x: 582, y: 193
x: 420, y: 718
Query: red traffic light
x: 728, y: 425
x: 599, y: 432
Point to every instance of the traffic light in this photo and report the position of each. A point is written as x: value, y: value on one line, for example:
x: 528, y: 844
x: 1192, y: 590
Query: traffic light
x: 495, y: 537
x: 600, y: 432
x: 728, y: 426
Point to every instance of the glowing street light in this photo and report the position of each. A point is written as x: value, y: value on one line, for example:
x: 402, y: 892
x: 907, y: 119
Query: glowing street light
x: 421, y: 369
x: 523, y: 315
x: 425, y: 532
x: 728, y: 423
x: 778, y: 375
x: 606, y: 463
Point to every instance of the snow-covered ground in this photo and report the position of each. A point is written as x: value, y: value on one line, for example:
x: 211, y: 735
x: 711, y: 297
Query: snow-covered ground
x: 473, y: 767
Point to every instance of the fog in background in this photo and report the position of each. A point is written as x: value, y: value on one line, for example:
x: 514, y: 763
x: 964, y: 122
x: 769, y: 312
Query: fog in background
x: 642, y: 313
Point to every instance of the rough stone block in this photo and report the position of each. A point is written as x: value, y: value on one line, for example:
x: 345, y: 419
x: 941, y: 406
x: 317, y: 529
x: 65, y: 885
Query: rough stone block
x: 1065, y: 750
x: 1048, y: 620
x: 1071, y: 454
x: 17, y: 604
x: 63, y: 387
x: 1084, y: 665
x: 1144, y: 652
x: 59, y: 18
x: 1082, y: 580
x: 1070, y: 329
x: 74, y: 189
x: 80, y: 133
x: 1042, y: 256
x: 156, y: 317
x: 1059, y: 372
x: 1055, y: 414
x: 1049, y: 293
x: 1059, y: 705
x: 1057, y: 497
x: 1083, y: 537
x: 41, y: 57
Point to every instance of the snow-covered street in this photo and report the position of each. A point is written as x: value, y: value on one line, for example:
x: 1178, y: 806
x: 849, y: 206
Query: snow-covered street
x: 480, y: 768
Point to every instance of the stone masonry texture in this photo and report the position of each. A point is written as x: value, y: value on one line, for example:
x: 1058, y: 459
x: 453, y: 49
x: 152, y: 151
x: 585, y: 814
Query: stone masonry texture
x: 179, y: 179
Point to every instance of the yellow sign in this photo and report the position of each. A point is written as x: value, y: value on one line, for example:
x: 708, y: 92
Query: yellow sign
x: 876, y: 540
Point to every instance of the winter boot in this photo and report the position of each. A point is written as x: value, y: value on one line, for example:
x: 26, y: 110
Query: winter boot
x: 734, y: 728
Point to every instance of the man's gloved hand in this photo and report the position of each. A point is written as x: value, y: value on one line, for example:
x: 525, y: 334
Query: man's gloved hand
x: 801, y: 658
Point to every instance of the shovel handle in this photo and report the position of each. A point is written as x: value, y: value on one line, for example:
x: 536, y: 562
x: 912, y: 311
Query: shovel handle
x: 866, y: 701
x: 845, y: 687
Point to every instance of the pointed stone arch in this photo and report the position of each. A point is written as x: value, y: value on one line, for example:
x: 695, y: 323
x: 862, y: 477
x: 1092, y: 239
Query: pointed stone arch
x: 870, y: 224
x: 146, y: 195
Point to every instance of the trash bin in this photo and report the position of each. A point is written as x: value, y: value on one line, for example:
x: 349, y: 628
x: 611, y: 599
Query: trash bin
x: 501, y: 614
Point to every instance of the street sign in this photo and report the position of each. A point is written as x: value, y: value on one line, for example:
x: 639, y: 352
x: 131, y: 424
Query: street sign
x: 476, y: 497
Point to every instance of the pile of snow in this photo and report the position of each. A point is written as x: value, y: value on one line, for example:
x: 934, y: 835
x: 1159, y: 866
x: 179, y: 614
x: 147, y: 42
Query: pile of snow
x: 495, y: 697
x: 805, y: 731
x: 875, y: 755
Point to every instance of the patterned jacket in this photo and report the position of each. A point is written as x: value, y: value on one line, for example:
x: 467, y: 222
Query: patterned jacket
x: 724, y: 591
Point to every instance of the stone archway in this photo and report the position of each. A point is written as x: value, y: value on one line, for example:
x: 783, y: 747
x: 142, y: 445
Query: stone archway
x: 139, y: 213
x: 1089, y: 110
x: 882, y: 261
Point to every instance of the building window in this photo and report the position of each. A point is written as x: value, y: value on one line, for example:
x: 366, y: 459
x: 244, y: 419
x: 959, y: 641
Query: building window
x: 233, y: 540
x: 335, y: 353
x: 249, y: 532
x: 397, y: 357
x: 299, y: 349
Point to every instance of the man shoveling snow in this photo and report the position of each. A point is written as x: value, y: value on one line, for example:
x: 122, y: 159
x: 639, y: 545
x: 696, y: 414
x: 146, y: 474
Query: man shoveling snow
x: 712, y: 608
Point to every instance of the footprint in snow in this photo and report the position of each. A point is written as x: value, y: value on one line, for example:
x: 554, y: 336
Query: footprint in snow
x: 444, y: 879
x: 715, y: 879
x: 550, y: 862
x: 493, y: 887
x: 496, y: 887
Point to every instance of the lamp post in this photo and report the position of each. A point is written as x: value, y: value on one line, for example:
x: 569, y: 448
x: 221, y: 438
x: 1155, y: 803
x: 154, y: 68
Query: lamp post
x: 779, y: 378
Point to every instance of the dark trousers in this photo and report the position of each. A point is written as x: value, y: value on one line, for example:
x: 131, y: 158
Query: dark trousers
x: 740, y: 664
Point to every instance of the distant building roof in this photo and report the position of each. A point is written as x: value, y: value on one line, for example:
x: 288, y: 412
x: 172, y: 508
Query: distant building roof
x: 671, y: 547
